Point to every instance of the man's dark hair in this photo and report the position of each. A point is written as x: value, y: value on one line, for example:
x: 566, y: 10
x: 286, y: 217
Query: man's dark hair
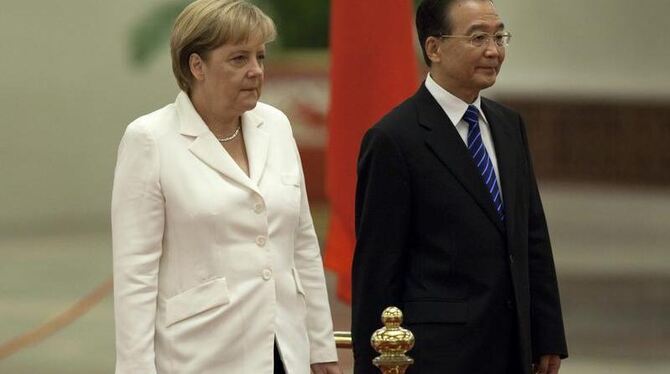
x: 432, y: 19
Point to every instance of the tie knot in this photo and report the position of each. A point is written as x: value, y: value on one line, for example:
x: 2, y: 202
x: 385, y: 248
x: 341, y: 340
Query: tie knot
x: 471, y: 115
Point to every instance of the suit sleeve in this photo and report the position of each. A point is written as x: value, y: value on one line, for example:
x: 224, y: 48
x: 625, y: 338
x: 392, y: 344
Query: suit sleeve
x: 382, y: 224
x: 137, y: 233
x: 310, y: 268
x: 547, y: 331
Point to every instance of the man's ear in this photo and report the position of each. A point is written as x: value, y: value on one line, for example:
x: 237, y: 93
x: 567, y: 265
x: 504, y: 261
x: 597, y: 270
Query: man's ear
x: 197, y: 66
x: 432, y: 47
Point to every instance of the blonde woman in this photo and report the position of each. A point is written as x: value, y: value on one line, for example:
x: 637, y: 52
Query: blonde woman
x: 217, y: 267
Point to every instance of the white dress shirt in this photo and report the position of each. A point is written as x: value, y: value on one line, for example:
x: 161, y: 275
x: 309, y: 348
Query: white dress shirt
x: 455, y: 108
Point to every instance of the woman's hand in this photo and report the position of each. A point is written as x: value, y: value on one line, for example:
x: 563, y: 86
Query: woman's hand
x: 326, y: 368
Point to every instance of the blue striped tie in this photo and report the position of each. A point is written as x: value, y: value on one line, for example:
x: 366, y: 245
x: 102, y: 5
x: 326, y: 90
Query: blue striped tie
x: 481, y: 158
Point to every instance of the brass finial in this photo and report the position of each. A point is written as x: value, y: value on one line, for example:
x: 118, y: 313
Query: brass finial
x: 392, y: 342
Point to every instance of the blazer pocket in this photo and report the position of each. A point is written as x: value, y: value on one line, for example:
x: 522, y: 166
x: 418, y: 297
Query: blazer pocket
x: 196, y: 300
x: 455, y: 311
x: 298, y: 283
x: 291, y: 190
x: 290, y: 179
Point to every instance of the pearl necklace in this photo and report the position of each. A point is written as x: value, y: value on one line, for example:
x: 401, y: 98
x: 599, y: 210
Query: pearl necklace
x: 231, y: 137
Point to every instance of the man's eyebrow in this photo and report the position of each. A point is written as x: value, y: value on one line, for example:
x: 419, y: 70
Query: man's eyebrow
x: 482, y: 26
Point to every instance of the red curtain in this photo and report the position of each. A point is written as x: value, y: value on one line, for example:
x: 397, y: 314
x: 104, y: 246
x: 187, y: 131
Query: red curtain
x: 373, y: 68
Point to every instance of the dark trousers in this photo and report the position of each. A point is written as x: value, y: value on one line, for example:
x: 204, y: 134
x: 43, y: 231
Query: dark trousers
x: 279, y: 365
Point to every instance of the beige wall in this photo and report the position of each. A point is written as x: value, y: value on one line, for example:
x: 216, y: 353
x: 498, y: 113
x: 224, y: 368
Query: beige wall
x: 67, y: 89
x: 611, y: 48
x: 66, y: 93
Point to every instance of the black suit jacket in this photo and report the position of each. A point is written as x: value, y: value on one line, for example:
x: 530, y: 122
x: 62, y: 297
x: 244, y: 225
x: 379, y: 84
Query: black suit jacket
x: 476, y: 292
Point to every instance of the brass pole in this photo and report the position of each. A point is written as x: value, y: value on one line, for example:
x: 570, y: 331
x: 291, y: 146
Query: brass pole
x: 343, y: 339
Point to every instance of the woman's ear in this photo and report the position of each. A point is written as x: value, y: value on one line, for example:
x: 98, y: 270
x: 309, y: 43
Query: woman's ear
x: 197, y: 66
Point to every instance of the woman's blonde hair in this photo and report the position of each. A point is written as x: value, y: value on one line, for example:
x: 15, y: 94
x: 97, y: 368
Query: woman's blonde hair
x: 205, y: 25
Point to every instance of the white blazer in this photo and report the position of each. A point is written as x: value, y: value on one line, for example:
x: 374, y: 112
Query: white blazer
x: 210, y: 264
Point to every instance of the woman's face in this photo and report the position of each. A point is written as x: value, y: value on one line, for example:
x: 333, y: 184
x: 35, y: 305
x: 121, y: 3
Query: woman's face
x: 231, y: 76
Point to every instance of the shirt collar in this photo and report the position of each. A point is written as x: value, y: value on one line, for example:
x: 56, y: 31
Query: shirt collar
x: 453, y: 106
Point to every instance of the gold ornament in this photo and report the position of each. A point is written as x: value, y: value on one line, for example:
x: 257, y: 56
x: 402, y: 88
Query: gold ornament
x: 392, y: 342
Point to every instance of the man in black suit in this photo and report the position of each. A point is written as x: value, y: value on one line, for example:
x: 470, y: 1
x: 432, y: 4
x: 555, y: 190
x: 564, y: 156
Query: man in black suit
x: 449, y: 222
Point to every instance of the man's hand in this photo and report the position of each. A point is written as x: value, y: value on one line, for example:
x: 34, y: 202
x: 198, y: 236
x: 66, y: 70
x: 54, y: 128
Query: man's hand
x: 549, y: 364
x: 326, y: 368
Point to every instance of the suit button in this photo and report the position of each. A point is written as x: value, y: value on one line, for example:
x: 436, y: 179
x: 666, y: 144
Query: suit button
x: 258, y: 208
x: 511, y: 259
x: 509, y: 304
x: 260, y: 241
x: 267, y: 274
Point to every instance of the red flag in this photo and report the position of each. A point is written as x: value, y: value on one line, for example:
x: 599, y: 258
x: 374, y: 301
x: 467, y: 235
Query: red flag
x: 373, y: 68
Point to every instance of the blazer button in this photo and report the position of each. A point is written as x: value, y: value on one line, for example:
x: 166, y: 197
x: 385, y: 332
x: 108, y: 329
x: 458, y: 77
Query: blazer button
x: 509, y: 304
x: 511, y: 259
x: 260, y: 241
x: 258, y: 208
x: 267, y: 274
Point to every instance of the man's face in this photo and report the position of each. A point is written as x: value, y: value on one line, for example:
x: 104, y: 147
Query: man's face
x: 463, y: 67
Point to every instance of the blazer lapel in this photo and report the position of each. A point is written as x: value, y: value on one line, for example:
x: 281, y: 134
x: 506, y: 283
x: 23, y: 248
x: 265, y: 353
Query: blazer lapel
x: 257, y: 142
x: 205, y: 146
x: 506, y: 154
x: 443, y: 140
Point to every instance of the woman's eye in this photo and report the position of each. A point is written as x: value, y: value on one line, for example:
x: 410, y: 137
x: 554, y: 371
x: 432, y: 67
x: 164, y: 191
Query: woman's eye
x: 239, y: 59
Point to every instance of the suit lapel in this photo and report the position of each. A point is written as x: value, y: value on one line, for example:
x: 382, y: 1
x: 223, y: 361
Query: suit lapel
x: 445, y: 142
x: 506, y: 154
x: 205, y: 146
